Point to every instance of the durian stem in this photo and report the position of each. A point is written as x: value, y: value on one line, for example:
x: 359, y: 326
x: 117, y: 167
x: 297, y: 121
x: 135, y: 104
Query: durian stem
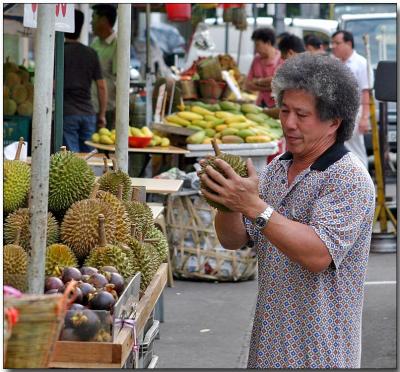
x: 135, y: 193
x: 115, y: 166
x: 19, y: 148
x: 150, y: 240
x: 105, y: 160
x: 63, y: 149
x: 120, y: 191
x: 91, y: 153
x: 215, y: 147
x: 17, y: 236
x: 102, y: 231
x: 94, y: 191
x: 133, y: 230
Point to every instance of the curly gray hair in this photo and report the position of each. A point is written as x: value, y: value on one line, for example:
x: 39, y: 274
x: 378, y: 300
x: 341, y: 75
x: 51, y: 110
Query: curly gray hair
x: 331, y: 82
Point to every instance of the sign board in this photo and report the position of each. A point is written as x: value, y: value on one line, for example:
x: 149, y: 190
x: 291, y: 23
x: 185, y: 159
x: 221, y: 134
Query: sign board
x: 65, y: 19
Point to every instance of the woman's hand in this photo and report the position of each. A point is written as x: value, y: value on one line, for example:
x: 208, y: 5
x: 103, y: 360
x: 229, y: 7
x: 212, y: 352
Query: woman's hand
x: 237, y: 193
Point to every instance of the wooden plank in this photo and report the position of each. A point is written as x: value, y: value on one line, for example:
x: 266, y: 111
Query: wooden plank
x: 158, y: 185
x: 72, y: 354
x: 148, y: 150
x: 156, y: 208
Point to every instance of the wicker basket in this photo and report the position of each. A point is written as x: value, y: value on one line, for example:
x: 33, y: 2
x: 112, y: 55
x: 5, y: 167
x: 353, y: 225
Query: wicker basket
x: 189, y: 89
x: 211, y: 89
x: 197, y: 251
x: 34, y: 335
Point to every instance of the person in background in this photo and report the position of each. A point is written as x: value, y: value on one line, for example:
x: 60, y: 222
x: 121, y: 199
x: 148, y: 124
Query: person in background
x: 310, y: 215
x: 105, y: 44
x: 81, y: 68
x: 313, y: 44
x: 343, y: 49
x: 264, y: 66
x: 290, y: 45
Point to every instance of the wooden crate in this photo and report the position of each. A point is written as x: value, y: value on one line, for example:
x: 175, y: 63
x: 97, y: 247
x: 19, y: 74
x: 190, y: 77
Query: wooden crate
x: 72, y: 354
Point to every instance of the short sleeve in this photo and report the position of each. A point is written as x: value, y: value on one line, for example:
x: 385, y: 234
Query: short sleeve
x: 363, y: 75
x: 250, y: 75
x: 341, y: 214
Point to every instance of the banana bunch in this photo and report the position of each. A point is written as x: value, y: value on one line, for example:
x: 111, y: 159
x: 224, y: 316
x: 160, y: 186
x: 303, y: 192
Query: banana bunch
x: 234, y: 123
x: 107, y: 137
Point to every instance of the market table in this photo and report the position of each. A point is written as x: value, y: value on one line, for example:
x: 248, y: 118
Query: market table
x: 142, y: 155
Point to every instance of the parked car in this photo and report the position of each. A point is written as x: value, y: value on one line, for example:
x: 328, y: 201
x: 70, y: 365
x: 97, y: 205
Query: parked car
x: 381, y: 28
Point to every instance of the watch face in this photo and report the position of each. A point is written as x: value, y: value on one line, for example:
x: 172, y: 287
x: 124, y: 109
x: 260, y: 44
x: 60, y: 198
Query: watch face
x: 260, y: 222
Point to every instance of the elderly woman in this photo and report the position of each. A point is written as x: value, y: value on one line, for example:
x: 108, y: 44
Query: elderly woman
x: 310, y: 215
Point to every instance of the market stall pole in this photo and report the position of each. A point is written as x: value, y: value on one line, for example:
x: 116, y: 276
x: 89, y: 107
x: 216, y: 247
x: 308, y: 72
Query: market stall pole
x: 41, y: 132
x: 122, y: 99
x: 149, y: 78
x: 59, y: 90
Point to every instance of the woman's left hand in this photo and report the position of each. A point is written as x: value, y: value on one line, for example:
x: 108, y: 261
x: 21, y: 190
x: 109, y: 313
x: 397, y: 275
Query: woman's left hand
x: 239, y: 194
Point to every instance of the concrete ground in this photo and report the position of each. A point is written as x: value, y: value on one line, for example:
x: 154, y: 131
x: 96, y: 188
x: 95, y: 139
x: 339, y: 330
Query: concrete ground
x: 207, y: 325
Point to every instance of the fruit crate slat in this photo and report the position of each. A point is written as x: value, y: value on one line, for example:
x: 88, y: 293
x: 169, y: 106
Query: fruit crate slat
x: 74, y: 354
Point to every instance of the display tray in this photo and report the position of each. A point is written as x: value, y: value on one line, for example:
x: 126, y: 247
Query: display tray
x: 73, y: 354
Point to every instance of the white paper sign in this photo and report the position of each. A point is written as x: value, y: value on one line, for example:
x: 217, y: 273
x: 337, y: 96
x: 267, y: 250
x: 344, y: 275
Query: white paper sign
x: 65, y: 19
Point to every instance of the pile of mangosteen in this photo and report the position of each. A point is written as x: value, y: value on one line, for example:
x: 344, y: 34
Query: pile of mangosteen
x: 90, y: 316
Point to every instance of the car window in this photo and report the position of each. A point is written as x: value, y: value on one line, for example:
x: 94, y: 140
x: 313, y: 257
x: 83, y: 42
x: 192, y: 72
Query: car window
x: 382, y: 37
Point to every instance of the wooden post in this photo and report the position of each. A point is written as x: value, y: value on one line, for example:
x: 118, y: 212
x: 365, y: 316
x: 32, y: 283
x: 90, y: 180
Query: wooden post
x: 149, y: 78
x: 41, y: 134
x: 122, y: 93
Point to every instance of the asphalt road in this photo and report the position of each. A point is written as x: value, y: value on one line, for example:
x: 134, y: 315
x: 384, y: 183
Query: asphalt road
x: 207, y: 325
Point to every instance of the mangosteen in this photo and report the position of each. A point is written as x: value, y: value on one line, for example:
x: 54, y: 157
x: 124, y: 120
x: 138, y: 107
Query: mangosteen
x: 110, y: 288
x: 70, y: 273
x: 78, y: 294
x: 117, y: 280
x: 102, y: 336
x: 51, y: 291
x: 101, y: 300
x: 52, y: 282
x: 74, y: 309
x: 98, y: 280
x: 85, y: 278
x: 86, y: 288
x: 88, y: 270
x: 86, y: 324
x: 109, y: 269
x: 68, y: 334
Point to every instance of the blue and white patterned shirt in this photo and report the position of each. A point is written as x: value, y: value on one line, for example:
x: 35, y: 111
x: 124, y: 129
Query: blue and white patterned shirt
x: 305, y: 319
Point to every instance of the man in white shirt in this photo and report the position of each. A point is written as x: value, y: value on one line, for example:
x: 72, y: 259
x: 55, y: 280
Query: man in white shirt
x: 343, y: 48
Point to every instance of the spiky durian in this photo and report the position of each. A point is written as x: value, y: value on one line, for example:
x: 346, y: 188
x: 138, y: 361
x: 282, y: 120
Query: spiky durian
x: 159, y: 241
x: 16, y: 183
x: 15, y: 265
x: 70, y: 179
x: 79, y: 229
x: 111, y: 180
x: 235, y: 161
x: 59, y: 256
x: 120, y: 214
x: 140, y: 215
x: 20, y: 220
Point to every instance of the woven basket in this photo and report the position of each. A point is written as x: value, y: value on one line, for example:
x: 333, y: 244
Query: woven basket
x: 34, y: 335
x: 189, y: 89
x: 197, y: 251
x: 211, y: 89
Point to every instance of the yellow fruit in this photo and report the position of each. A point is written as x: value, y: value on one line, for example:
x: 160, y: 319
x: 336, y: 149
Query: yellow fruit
x: 113, y: 131
x: 112, y: 136
x: 96, y: 137
x: 147, y: 132
x: 19, y: 93
x: 223, y: 115
x: 165, y: 142
x: 214, y: 119
x: 210, y: 132
x: 258, y: 139
x: 196, y: 138
x: 232, y: 139
x: 190, y: 115
x: 135, y: 132
x: 25, y: 109
x: 10, y: 107
x: 156, y: 140
x: 177, y: 120
x: 201, y: 110
x: 202, y: 123
x: 235, y: 119
x: 104, y: 131
x: 207, y: 141
x: 106, y: 140
x: 229, y: 131
x: 221, y: 127
x: 239, y: 125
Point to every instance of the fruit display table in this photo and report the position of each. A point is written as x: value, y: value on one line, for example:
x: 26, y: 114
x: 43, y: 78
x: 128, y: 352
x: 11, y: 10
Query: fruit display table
x: 139, y: 157
x: 74, y: 354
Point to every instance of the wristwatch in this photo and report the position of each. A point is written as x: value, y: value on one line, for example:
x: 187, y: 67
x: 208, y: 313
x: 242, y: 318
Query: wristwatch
x: 261, y: 221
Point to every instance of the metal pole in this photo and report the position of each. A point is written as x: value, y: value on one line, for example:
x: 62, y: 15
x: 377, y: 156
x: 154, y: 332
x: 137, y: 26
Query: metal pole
x: 84, y: 38
x: 279, y: 18
x: 41, y: 133
x: 227, y: 38
x: 149, y: 78
x: 122, y: 92
x: 239, y: 47
x: 59, y: 94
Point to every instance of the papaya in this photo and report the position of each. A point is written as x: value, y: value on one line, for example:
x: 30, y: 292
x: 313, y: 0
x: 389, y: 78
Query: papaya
x: 196, y: 138
x: 190, y: 115
x: 258, y: 139
x: 221, y: 127
x: 250, y: 108
x: 229, y: 131
x: 200, y: 110
x: 210, y: 132
x: 232, y: 139
x: 235, y: 119
x: 178, y: 120
x: 239, y: 125
x: 245, y: 133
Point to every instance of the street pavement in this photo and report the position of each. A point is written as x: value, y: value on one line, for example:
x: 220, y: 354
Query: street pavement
x: 207, y: 325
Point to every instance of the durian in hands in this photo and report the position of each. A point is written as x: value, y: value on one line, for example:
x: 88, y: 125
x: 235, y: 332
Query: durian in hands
x: 238, y: 165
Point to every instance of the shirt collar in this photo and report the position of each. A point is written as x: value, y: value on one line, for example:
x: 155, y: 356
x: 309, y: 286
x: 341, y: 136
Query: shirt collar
x: 329, y: 157
x: 110, y: 38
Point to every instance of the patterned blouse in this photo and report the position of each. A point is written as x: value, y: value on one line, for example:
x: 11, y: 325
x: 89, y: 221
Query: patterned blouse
x: 305, y: 319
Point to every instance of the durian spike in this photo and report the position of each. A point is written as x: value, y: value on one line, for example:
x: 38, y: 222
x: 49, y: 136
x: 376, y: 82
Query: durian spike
x: 135, y: 193
x: 215, y: 147
x: 102, y: 231
x: 19, y: 149
x: 91, y: 153
x: 94, y: 191
x: 17, y: 236
x: 115, y: 166
x: 105, y: 161
x: 133, y: 229
x: 120, y: 191
x: 63, y: 149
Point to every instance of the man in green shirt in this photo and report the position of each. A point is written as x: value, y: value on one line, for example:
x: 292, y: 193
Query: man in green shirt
x: 105, y: 44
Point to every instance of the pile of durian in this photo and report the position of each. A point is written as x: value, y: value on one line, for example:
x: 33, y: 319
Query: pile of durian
x: 131, y: 242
